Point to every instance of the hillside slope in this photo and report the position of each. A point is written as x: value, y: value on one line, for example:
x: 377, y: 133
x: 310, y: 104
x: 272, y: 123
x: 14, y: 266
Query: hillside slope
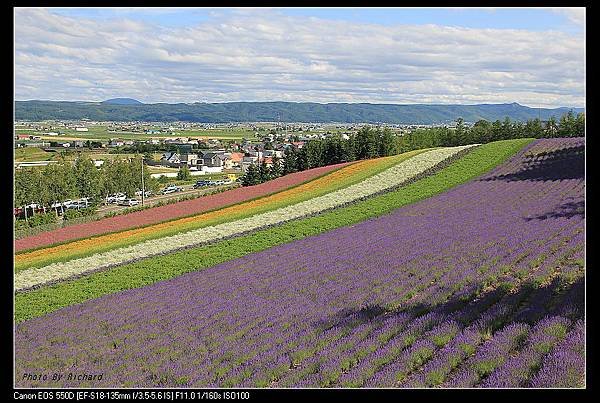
x: 480, y: 286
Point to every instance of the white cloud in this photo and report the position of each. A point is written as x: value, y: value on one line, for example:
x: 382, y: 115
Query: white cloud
x: 260, y: 55
x: 575, y: 14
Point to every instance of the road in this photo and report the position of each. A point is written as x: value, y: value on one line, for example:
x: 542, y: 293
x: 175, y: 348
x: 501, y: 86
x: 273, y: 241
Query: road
x: 188, y: 190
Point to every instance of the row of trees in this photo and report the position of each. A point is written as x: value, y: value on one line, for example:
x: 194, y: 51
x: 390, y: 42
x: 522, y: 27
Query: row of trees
x: 367, y: 143
x: 65, y: 180
x: 375, y: 142
x: 569, y: 125
x: 262, y: 172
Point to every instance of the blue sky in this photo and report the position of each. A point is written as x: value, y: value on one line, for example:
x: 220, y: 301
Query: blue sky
x: 535, y: 19
x: 532, y: 56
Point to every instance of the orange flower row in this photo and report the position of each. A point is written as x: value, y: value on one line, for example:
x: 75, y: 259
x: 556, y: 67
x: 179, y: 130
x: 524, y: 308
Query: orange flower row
x: 85, y: 247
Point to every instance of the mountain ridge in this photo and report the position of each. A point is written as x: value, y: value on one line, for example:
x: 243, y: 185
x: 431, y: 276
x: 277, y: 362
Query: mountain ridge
x: 281, y: 111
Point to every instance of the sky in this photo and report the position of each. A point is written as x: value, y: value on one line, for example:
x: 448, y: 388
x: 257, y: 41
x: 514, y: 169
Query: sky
x: 533, y: 56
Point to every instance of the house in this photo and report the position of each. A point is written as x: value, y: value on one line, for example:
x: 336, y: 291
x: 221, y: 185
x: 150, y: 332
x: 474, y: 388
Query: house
x: 298, y: 144
x: 78, y: 143
x: 273, y: 153
x: 250, y: 160
x: 212, y: 159
x: 236, y: 160
x: 190, y: 159
x: 81, y: 129
x: 116, y: 143
x: 170, y: 157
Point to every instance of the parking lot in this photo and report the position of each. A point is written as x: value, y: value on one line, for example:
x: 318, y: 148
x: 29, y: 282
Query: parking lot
x: 149, y: 201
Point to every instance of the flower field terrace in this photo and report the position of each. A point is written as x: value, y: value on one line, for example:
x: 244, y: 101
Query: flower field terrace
x: 396, y: 175
x: 172, y: 211
x: 459, y: 169
x: 85, y: 247
x: 469, y: 288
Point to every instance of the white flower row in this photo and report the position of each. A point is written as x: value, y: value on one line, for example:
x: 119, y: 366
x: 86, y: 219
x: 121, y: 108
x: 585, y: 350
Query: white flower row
x: 387, y: 179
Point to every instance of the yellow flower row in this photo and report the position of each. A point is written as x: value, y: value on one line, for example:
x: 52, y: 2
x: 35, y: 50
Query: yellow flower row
x: 328, y: 183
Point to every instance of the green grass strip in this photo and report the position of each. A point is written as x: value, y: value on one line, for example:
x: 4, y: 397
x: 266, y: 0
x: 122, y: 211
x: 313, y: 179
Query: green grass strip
x: 51, y: 298
x: 377, y: 166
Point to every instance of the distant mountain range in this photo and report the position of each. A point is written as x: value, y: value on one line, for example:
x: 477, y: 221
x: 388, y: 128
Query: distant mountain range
x: 127, y: 109
x: 122, y: 101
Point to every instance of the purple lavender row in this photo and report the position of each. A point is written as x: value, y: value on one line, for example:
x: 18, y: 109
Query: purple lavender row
x: 517, y: 370
x: 564, y: 367
x: 489, y: 356
x: 482, y: 316
x: 366, y: 365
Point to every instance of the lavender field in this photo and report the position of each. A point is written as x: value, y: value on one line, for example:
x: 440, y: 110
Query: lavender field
x: 480, y: 286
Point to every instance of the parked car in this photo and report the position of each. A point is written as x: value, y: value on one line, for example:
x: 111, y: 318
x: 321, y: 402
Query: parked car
x: 129, y: 202
x: 147, y: 193
x: 83, y: 203
x: 171, y: 189
x: 117, y: 197
x: 201, y: 183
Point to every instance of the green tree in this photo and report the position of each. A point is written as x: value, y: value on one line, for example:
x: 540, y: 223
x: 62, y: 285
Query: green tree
x: 184, y: 173
x: 386, y: 145
x: 567, y: 125
x: 459, y: 132
x: 26, y: 186
x: 301, y: 161
x: 251, y: 176
x: 580, y: 125
x: 551, y: 127
x: 365, y: 143
x: 87, y: 178
x: 289, y: 160
x: 263, y: 172
x: 314, y: 153
x: 481, y: 131
x: 276, y: 169
x: 58, y: 183
x: 349, y: 149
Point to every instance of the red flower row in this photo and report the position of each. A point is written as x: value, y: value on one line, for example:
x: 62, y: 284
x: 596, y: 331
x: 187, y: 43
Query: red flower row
x: 171, y: 211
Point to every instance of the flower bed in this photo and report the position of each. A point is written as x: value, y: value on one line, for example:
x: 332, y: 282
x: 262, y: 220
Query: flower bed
x: 327, y: 183
x: 169, y: 212
x: 385, y: 180
x: 148, y: 271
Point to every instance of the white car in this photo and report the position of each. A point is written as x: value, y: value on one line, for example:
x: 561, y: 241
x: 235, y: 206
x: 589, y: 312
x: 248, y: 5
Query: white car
x: 83, y: 203
x: 116, y: 198
x: 171, y: 189
x: 129, y: 202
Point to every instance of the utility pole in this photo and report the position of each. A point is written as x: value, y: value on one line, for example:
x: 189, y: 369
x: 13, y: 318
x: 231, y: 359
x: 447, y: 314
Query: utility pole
x: 143, y: 189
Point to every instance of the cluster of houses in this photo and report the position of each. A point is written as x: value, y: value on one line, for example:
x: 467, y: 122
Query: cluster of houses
x: 217, y: 160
